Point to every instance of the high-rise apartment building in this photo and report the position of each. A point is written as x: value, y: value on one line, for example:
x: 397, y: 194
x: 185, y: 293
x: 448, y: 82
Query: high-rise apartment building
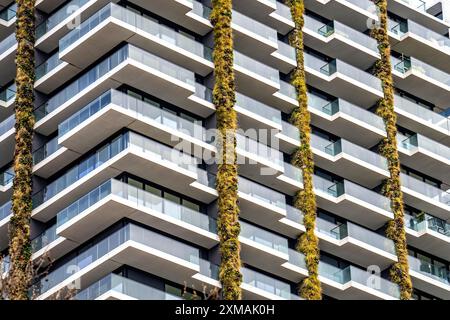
x: 124, y: 199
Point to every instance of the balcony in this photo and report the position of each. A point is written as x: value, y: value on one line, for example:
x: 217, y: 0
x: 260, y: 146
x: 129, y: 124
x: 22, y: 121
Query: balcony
x: 341, y: 157
x: 52, y: 157
x: 343, y: 80
x: 48, y: 5
x: 116, y: 287
x: 417, y: 11
x: 7, y: 99
x: 262, y: 248
x: 353, y: 202
x: 5, y: 215
x: 424, y: 80
x: 150, y: 160
x: 7, y: 20
x: 53, y: 73
x: 430, y: 278
x: 258, y: 9
x: 6, y: 181
x: 131, y: 245
x: 346, y: 120
x: 429, y: 234
x: 413, y: 39
x: 58, y: 24
x: 426, y: 155
x: 254, y: 78
x: 349, y: 241
x: 114, y: 24
x: 426, y: 197
x: 350, y: 283
x: 422, y: 120
x: 191, y: 14
x: 354, y: 13
x: 7, y: 132
x: 159, y: 77
x: 8, y: 48
x: 342, y: 42
x: 115, y: 200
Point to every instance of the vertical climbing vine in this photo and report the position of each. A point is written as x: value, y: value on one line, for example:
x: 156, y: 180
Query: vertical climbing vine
x: 20, y: 246
x: 227, y: 175
x: 392, y: 188
x: 305, y: 199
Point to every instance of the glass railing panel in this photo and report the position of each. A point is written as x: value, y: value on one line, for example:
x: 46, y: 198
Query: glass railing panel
x: 5, y: 210
x: 331, y: 188
x: 50, y: 64
x: 435, y: 38
x: 358, y: 74
x: 44, y: 239
x: 6, y: 177
x: 254, y: 26
x: 439, y: 273
x: 430, y: 71
x: 260, y: 149
x: 209, y: 269
x: 82, y: 82
x: 416, y: 4
x: 7, y: 124
x: 46, y: 150
x: 361, y: 114
x: 201, y: 10
x: 294, y: 214
x: 425, y: 189
x: 371, y: 238
x: 258, y: 108
x: 355, y: 36
x: 320, y: 65
x: 266, y: 283
x: 8, y: 93
x: 129, y: 232
x: 257, y: 67
x: 262, y: 193
x: 290, y: 130
x: 433, y: 146
x: 366, y: 278
x: 330, y: 147
x: 364, y: 154
x: 335, y: 230
x: 128, y: 287
x: 58, y: 17
x: 334, y: 273
x: 438, y: 225
x: 288, y: 90
x: 414, y: 223
x: 293, y: 172
x: 297, y: 259
x: 203, y: 92
x: 323, y: 105
x: 367, y: 195
x: 263, y: 237
x: 9, y: 12
x: 7, y: 43
x: 435, y: 119
x: 287, y: 50
x: 283, y: 10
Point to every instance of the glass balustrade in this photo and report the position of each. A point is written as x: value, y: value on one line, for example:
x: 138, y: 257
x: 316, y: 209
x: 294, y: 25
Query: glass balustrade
x: 266, y: 283
x: 258, y: 108
x: 330, y: 108
x: 134, y: 142
x: 254, y: 26
x: 201, y: 10
x: 140, y: 198
x: 435, y: 272
x: 203, y: 92
x: 423, y: 222
x: 406, y: 64
x: 125, y: 286
x: 287, y: 51
x: 129, y: 232
x: 9, y: 12
x: 425, y: 189
x: 141, y: 110
x: 335, y: 27
x: 334, y: 189
x: 375, y: 282
x: 7, y: 43
x: 7, y: 124
x: 263, y: 237
x: 290, y: 131
x: 8, y: 93
x: 367, y: 195
x: 256, y: 67
x: 416, y: 4
x: 262, y: 193
x: 329, y: 68
x: 59, y: 16
x: 5, y: 210
x: 424, y: 114
x: 124, y: 53
x: 371, y: 238
x: 283, y: 10
x: 293, y: 172
x: 259, y: 149
x: 288, y: 90
x: 44, y: 239
x: 6, y: 177
x: 46, y: 150
x: 419, y: 141
x: 49, y: 65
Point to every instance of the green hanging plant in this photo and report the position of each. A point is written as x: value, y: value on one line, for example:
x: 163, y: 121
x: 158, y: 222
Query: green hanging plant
x: 20, y: 274
x: 392, y: 188
x: 227, y: 175
x: 305, y: 199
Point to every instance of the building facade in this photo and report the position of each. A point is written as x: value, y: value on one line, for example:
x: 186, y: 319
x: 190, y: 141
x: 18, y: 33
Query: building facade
x: 124, y: 202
